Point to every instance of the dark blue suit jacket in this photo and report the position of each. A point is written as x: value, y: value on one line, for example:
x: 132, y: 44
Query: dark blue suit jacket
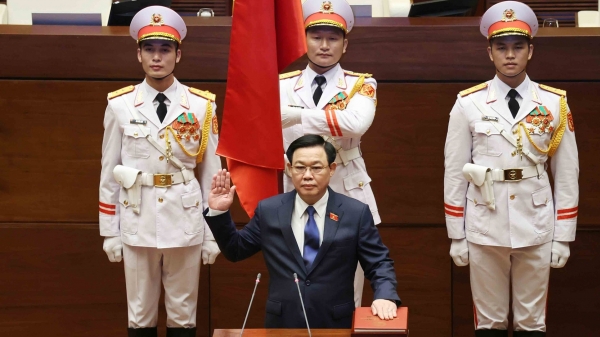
x: 327, y: 287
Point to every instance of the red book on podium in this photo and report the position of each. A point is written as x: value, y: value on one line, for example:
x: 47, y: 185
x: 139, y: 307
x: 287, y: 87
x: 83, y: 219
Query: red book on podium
x: 364, y: 324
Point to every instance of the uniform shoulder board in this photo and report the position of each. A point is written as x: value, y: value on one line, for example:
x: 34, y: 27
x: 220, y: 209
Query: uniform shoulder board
x: 471, y: 90
x: 121, y: 91
x: 559, y: 92
x: 351, y: 73
x: 290, y: 74
x: 203, y: 93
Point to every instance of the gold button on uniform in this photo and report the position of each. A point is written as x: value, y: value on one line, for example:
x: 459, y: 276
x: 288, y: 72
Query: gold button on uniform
x: 197, y: 203
x: 135, y: 134
x: 475, y: 201
x: 125, y: 202
x: 160, y: 199
x: 360, y: 184
x: 162, y: 136
x: 487, y: 131
x: 161, y: 158
x: 512, y: 197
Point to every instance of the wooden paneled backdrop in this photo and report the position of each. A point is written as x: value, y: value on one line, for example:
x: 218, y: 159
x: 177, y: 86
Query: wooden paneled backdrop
x: 55, y: 280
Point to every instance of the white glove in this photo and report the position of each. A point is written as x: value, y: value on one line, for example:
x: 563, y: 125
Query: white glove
x: 560, y: 254
x: 113, y: 248
x: 290, y: 116
x: 210, y: 250
x: 459, y: 250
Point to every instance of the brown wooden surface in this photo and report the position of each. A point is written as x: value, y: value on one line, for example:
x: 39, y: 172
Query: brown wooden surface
x: 392, y: 49
x: 57, y: 281
x: 562, y: 10
x: 282, y: 332
x: 52, y: 134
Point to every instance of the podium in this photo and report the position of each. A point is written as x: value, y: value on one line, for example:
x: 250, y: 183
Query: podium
x: 282, y: 332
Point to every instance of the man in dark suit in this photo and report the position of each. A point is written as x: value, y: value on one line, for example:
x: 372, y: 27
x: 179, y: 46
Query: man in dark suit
x: 314, y: 232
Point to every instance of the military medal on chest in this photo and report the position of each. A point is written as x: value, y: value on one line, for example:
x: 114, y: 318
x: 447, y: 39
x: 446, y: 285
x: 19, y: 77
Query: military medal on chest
x: 186, y: 127
x: 539, y: 121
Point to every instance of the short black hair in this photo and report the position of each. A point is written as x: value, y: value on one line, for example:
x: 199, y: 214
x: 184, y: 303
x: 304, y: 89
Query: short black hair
x: 311, y: 141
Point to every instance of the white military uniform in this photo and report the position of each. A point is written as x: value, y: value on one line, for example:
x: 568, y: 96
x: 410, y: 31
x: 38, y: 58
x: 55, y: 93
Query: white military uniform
x: 343, y: 123
x: 528, y: 216
x: 169, y: 229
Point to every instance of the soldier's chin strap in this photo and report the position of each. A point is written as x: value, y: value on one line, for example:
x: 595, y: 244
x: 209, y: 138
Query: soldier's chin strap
x: 162, y: 78
x: 511, y: 76
x: 324, y: 67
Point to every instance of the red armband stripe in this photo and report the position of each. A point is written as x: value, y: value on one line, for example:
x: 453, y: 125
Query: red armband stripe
x: 329, y: 122
x: 567, y: 210
x: 454, y: 208
x: 460, y: 215
x: 102, y: 210
x: 335, y: 122
x: 107, y: 205
x: 568, y: 216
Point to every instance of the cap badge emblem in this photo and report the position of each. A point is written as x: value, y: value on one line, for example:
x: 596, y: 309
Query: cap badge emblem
x: 509, y: 16
x: 326, y: 7
x: 157, y: 20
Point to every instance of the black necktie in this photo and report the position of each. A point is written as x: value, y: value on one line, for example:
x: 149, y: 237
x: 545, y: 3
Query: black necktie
x: 319, y: 91
x: 513, y: 105
x: 161, y: 111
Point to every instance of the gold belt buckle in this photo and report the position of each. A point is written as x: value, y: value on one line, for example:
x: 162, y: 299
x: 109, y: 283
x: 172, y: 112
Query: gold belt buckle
x: 513, y: 175
x: 162, y: 180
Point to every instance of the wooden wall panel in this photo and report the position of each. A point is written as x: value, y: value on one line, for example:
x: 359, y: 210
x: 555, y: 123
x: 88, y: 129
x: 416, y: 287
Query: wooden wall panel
x: 393, y: 49
x: 422, y: 269
x: 573, y: 297
x: 52, y: 141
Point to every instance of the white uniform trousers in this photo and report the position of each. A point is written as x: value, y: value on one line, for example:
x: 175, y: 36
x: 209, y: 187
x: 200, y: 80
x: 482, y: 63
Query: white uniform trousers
x: 179, y: 270
x: 493, y: 269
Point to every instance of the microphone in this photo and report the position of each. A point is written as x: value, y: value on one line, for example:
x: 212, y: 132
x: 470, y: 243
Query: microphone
x: 302, y: 302
x: 250, y: 305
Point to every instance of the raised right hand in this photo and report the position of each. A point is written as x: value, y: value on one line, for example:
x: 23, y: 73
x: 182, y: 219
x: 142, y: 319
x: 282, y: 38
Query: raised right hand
x: 221, y: 191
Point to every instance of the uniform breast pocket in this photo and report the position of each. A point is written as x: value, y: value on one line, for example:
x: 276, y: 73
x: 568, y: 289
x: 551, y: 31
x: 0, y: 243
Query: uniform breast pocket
x: 487, y: 139
x: 134, y: 142
x: 356, y: 183
x: 192, y: 203
x: 543, y: 216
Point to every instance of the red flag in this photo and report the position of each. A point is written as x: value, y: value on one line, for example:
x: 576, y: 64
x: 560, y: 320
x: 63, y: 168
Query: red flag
x: 266, y: 36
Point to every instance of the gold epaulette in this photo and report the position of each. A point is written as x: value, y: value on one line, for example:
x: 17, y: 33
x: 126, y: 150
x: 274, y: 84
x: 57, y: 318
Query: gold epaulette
x: 471, y: 90
x: 121, y: 91
x: 290, y: 74
x: 351, y: 73
x: 204, y: 94
x: 559, y: 92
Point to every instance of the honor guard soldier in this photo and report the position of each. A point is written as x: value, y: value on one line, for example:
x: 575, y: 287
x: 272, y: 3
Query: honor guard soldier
x: 155, y: 134
x: 501, y: 212
x: 327, y: 100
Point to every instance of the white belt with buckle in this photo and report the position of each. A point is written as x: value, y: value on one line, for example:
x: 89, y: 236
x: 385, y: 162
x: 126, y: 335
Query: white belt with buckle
x: 166, y: 180
x: 517, y: 174
x: 346, y: 156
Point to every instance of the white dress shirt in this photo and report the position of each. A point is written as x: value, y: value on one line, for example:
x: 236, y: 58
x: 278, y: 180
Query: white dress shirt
x: 503, y: 89
x: 329, y: 77
x: 300, y: 218
x: 171, y: 94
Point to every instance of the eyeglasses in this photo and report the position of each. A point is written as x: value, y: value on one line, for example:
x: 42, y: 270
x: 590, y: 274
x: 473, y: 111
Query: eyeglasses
x: 302, y: 169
